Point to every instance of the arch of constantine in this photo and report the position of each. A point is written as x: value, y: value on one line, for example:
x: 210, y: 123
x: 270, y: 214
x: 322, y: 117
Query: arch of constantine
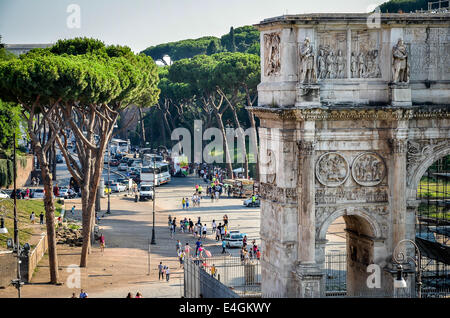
x: 351, y: 116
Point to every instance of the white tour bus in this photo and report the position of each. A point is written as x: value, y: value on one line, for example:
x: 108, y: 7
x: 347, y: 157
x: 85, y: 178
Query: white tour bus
x: 162, y: 174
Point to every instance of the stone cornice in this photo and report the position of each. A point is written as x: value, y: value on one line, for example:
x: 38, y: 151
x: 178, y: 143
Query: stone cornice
x: 353, y: 113
x: 353, y: 18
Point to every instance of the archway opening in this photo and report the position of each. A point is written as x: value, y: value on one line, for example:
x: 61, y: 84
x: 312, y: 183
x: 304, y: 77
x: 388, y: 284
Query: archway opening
x: 433, y: 227
x: 349, y: 249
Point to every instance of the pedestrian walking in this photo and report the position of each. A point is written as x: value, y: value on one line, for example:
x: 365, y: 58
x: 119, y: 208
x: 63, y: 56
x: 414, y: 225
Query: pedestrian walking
x: 73, y: 210
x: 187, y: 203
x: 191, y: 226
x: 204, y: 230
x: 32, y: 218
x: 160, y: 271
x: 214, y: 227
x: 213, y: 270
x: 197, y: 246
x: 167, y: 273
x: 187, y: 250
x: 183, y: 202
x: 41, y: 218
x: 178, y: 246
x: 222, y: 232
x: 181, y: 258
x: 224, y: 245
x: 102, y: 243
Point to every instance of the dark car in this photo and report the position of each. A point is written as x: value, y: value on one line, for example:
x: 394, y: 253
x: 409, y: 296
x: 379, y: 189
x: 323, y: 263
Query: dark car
x: 114, y: 163
x: 124, y: 160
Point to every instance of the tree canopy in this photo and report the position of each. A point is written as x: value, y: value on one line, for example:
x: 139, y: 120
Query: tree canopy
x: 393, y: 6
x: 243, y: 39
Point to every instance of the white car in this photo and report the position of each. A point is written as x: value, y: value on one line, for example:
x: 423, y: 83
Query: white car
x: 234, y: 239
x: 118, y: 187
x: 66, y: 193
x: 3, y: 195
x: 123, y: 167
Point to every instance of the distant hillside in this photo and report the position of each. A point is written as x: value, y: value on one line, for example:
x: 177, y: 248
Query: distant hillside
x: 243, y: 39
x: 393, y: 6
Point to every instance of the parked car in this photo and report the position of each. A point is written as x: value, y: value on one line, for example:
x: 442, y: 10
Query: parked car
x: 3, y: 195
x: 123, y: 181
x: 118, y: 187
x: 124, y: 160
x: 38, y: 193
x: 123, y: 167
x: 114, y: 163
x: 234, y: 239
x: 249, y: 202
x: 67, y: 193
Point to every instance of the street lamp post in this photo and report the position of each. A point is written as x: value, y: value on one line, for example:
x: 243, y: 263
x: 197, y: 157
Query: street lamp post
x: 154, y: 198
x: 17, y: 282
x: 400, y: 258
x: 108, y: 211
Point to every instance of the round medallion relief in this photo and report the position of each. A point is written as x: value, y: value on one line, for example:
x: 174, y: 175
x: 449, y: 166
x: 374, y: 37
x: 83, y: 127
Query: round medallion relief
x: 368, y: 169
x: 332, y: 169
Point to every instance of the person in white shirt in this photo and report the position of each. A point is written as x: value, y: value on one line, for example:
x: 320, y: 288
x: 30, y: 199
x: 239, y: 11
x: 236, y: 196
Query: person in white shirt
x: 204, y: 230
x: 214, y: 227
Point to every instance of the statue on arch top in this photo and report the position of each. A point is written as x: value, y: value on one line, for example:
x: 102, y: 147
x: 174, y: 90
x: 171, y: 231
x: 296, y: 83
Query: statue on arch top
x: 308, y: 74
x: 400, y: 67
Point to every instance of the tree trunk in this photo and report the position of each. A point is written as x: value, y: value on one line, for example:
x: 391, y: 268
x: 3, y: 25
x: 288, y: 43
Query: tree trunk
x: 142, y: 127
x: 49, y: 206
x: 225, y: 144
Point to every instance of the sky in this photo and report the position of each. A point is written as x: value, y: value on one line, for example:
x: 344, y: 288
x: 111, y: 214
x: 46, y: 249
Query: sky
x: 143, y: 23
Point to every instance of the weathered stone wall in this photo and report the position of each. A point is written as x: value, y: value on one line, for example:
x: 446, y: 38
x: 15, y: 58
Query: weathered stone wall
x: 8, y: 268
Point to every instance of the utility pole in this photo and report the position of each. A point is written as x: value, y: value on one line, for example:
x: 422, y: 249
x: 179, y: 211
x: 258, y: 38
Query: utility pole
x: 154, y: 198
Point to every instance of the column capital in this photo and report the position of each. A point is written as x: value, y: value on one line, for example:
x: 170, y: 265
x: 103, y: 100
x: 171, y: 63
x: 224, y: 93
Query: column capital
x: 306, y: 147
x: 399, y: 146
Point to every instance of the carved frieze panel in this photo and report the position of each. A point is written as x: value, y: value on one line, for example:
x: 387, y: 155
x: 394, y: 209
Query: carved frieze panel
x: 272, y: 56
x: 351, y: 195
x: 419, y: 150
x: 273, y: 193
x: 368, y: 169
x: 365, y: 56
x: 332, y: 54
x: 332, y: 169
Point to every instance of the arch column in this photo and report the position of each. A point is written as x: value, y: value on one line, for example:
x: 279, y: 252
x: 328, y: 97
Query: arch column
x: 398, y: 189
x: 308, y: 273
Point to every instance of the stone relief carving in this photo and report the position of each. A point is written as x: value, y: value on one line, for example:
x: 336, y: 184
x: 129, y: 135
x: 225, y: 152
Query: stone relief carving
x: 272, y: 58
x: 332, y: 169
x: 368, y: 169
x: 307, y: 63
x: 419, y: 150
x: 351, y: 194
x: 400, y: 67
x: 364, y: 60
x: 340, y: 65
x: 275, y: 194
x: 330, y: 65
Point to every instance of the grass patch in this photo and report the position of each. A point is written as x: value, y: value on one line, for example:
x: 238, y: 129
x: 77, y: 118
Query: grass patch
x: 24, y: 209
x: 429, y: 189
